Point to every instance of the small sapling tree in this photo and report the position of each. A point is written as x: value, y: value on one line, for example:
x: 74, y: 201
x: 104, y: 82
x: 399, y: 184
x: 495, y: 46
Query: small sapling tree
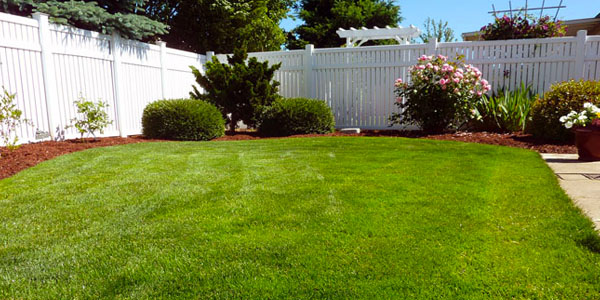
x: 92, y: 117
x: 10, y: 118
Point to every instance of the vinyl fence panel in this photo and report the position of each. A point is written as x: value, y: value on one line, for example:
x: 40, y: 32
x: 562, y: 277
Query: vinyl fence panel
x: 357, y: 83
x: 48, y: 67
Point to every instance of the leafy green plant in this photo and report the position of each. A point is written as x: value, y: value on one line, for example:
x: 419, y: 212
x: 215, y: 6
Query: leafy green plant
x: 10, y: 118
x: 505, y: 110
x: 297, y: 116
x: 225, y: 26
x: 92, y: 117
x: 182, y: 119
x: 437, y: 30
x: 238, y: 88
x: 562, y: 98
x: 322, y: 18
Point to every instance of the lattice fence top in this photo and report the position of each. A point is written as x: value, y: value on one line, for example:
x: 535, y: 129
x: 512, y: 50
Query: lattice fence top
x: 357, y: 37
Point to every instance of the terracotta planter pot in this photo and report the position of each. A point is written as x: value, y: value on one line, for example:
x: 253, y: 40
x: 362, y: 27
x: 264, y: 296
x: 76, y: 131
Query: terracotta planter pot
x: 588, y: 144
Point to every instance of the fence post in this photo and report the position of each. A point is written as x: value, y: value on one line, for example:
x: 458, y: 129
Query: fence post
x: 48, y: 73
x: 209, y: 55
x: 580, y: 55
x: 163, y: 68
x: 432, y: 47
x: 115, y: 47
x: 308, y: 66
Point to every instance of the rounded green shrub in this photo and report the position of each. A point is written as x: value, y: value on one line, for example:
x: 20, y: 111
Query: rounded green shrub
x: 296, y: 116
x: 182, y: 119
x: 562, y: 98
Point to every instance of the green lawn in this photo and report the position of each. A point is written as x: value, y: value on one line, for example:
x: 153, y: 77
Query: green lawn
x: 296, y: 218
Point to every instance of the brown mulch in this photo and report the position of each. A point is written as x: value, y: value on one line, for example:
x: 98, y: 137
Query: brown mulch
x: 517, y: 140
x: 29, y: 155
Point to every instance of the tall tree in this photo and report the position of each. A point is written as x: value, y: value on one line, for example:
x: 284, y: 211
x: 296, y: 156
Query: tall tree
x: 106, y: 16
x: 322, y: 18
x: 439, y: 30
x: 221, y: 25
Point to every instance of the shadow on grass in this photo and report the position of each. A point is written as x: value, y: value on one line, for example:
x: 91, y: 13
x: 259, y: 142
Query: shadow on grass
x: 591, y: 242
x: 563, y: 160
x: 529, y: 139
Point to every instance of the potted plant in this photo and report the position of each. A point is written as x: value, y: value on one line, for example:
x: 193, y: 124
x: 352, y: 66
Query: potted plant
x: 586, y: 125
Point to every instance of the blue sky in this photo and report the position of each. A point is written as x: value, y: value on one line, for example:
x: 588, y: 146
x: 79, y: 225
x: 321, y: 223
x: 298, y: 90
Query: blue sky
x: 470, y: 15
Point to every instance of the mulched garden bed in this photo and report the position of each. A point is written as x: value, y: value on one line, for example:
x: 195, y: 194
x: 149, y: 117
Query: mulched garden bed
x: 29, y: 155
x: 517, y: 140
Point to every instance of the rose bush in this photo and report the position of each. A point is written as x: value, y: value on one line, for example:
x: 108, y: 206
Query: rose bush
x: 440, y: 95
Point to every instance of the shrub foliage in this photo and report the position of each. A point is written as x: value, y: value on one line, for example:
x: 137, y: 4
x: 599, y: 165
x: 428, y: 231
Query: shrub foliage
x: 105, y: 16
x: 322, y: 18
x: 238, y: 89
x: 91, y: 118
x: 182, y: 119
x: 297, y: 116
x: 559, y: 101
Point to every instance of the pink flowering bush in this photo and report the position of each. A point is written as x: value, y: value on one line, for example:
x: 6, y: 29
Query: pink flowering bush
x: 522, y: 27
x: 441, y: 94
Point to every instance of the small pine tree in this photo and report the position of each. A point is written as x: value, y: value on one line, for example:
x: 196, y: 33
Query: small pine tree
x: 240, y: 90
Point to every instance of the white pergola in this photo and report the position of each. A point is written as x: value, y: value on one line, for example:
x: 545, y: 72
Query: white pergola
x: 356, y: 37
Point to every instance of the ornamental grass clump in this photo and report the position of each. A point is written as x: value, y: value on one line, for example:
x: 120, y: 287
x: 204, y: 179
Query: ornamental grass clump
x: 505, y: 110
x: 440, y: 95
x: 589, y: 117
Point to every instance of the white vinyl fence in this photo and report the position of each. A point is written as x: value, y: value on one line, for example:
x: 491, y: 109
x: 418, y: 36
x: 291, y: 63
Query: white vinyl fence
x: 358, y: 82
x: 49, y: 67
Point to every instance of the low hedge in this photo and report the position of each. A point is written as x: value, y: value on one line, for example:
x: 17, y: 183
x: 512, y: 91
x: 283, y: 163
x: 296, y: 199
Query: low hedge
x: 182, y: 119
x: 296, y: 116
x: 562, y: 98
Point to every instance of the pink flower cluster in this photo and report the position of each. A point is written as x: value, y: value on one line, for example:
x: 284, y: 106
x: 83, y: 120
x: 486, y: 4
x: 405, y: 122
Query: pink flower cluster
x: 462, y: 80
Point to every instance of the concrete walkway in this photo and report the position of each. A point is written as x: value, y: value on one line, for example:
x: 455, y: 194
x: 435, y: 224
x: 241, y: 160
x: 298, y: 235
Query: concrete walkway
x: 581, y: 181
